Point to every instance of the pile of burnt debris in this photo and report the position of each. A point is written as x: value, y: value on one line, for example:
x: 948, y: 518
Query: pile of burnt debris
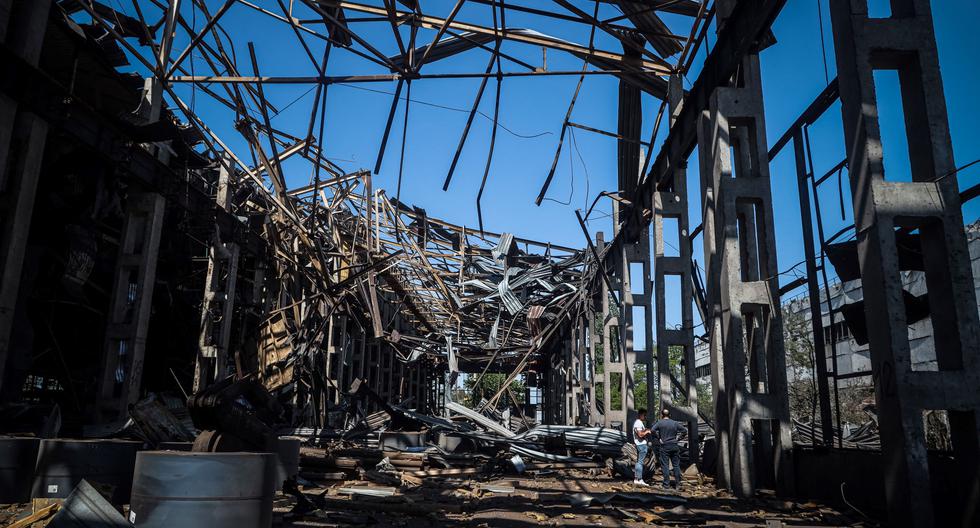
x: 221, y: 458
x: 171, y: 461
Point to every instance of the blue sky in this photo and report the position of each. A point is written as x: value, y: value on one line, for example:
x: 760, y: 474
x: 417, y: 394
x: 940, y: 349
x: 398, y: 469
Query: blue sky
x: 532, y: 110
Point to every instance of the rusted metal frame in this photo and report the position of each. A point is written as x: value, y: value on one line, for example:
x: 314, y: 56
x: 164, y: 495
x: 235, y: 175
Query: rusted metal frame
x: 813, y: 288
x: 496, y: 114
x: 567, y: 18
x: 625, y: 41
x: 273, y: 166
x: 200, y: 36
x: 748, y: 21
x: 177, y: 67
x: 568, y: 115
x: 484, y: 47
x: 424, y: 259
x: 206, y: 132
x: 401, y: 157
x: 205, y: 89
x: 388, y: 77
x: 497, y: 351
x: 372, y: 282
x: 146, y: 32
x: 306, y: 48
x: 322, y: 103
x: 170, y: 21
x: 391, y: 117
x: 439, y: 33
x: 278, y: 17
x: 222, y: 56
x: 600, y: 263
x: 548, y: 42
x: 538, y: 343
x: 517, y: 406
x: 609, y: 134
x: 701, y: 21
x: 281, y: 136
x: 215, y: 140
x: 392, y: 19
x: 667, y: 6
x: 653, y: 133
x: 409, y: 303
x: 464, y: 230
x: 312, y: 4
x: 320, y: 91
x: 309, y: 152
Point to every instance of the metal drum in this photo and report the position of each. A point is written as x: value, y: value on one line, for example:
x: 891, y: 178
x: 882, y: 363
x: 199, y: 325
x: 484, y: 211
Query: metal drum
x: 175, y: 446
x: 62, y: 464
x: 288, y: 459
x: 17, y: 457
x: 206, y: 490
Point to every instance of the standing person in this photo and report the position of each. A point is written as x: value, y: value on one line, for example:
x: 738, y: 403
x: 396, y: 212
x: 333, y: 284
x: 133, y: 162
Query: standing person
x: 667, y: 431
x: 640, y: 434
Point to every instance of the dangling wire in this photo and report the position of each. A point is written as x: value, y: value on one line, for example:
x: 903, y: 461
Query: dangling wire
x: 823, y: 45
x: 496, y: 111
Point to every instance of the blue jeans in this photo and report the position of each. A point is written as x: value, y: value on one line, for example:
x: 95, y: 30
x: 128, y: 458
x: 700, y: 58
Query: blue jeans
x: 641, y: 453
x: 670, y: 453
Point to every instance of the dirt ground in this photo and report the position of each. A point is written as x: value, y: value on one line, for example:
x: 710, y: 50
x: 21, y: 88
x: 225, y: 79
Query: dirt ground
x: 566, y: 498
x: 548, y: 501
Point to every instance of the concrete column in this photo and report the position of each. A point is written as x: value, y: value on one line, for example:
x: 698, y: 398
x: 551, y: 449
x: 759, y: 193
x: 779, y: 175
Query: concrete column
x: 629, y: 126
x: 930, y: 203
x: 129, y: 306
x: 673, y: 204
x: 615, y: 359
x: 583, y: 389
x: 22, y: 140
x: 634, y: 352
x: 743, y: 286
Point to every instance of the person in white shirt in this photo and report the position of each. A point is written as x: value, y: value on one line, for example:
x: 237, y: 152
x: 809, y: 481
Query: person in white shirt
x: 640, y: 434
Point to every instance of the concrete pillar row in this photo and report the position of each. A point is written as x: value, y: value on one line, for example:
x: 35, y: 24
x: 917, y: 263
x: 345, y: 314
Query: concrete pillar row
x: 673, y: 204
x: 128, y: 319
x: 23, y: 137
x: 748, y: 358
x: 905, y: 42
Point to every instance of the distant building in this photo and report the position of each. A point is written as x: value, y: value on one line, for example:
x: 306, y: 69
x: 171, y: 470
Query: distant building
x: 854, y: 358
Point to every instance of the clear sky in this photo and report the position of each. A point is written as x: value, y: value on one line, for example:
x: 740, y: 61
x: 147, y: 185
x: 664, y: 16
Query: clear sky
x: 532, y: 110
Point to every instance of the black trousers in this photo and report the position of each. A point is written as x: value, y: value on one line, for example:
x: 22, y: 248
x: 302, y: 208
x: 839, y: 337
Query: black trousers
x: 670, y: 454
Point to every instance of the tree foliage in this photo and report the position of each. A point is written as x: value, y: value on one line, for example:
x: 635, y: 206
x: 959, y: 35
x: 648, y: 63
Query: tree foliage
x: 489, y: 384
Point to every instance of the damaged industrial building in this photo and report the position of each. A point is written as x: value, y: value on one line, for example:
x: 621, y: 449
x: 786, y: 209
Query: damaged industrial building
x: 312, y: 263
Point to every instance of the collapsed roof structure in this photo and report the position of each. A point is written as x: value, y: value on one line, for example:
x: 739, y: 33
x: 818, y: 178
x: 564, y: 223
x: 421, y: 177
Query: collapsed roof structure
x: 200, y: 243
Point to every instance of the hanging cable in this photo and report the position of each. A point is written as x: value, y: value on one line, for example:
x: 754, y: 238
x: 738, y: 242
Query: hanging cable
x: 823, y: 45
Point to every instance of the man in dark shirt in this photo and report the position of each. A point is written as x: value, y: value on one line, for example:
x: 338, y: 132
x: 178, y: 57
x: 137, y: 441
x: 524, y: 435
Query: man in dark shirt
x: 667, y: 431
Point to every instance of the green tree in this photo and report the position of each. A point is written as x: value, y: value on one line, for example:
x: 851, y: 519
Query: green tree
x: 800, y: 366
x: 489, y: 384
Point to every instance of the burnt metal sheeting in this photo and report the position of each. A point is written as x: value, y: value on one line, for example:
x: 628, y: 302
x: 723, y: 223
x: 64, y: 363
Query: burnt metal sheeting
x: 680, y: 7
x: 844, y: 256
x: 651, y: 27
x: 916, y: 309
x: 87, y: 508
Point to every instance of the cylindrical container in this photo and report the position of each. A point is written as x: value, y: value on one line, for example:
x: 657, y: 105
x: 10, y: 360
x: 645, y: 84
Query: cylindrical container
x: 175, y: 446
x: 17, y: 458
x: 62, y: 464
x: 203, y: 490
x: 288, y: 462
